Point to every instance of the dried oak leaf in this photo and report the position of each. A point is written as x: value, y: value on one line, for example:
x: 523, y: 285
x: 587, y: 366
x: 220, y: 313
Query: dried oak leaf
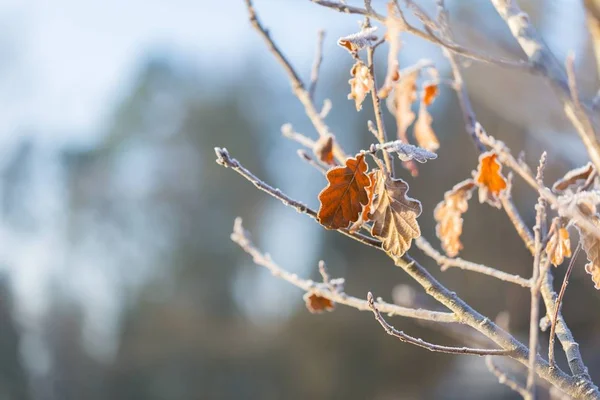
x: 591, y: 245
x: 575, y: 177
x: 429, y: 94
x: 360, y: 85
x: 424, y: 134
x: 448, y: 215
x: 408, y: 152
x: 394, y: 215
x: 366, y: 214
x: 323, y: 149
x: 393, y: 24
x: 317, y: 304
x: 489, y: 179
x: 559, y: 246
x: 405, y: 94
x: 344, y: 197
x: 359, y: 40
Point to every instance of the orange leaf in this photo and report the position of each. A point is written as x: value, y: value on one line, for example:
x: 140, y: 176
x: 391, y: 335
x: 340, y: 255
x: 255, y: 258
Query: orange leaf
x: 489, y: 179
x: 424, y: 134
x: 559, y: 246
x: 317, y: 304
x: 343, y: 199
x: 448, y: 215
x: 429, y: 94
x: 575, y: 177
x: 394, y: 214
x: 360, y: 85
x: 323, y: 149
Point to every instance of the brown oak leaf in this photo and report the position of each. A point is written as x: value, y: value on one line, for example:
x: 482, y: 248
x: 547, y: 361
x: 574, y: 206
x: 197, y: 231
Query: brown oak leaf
x: 591, y: 245
x: 405, y: 94
x: 489, y: 179
x: 424, y: 134
x: 559, y: 246
x: 317, y: 304
x: 361, y: 84
x: 575, y: 177
x: 394, y: 214
x: 323, y: 149
x: 429, y: 94
x: 366, y: 214
x: 344, y: 197
x: 448, y: 215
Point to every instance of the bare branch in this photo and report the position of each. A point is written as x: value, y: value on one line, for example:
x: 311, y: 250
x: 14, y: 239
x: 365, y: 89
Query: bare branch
x: 241, y: 237
x: 447, y: 262
x: 546, y: 64
x: 504, y: 378
x: 297, y: 86
x: 314, y: 75
x: 381, y: 133
x: 592, y: 11
x: 403, y: 337
x: 558, y: 305
x: 225, y: 160
x: 514, y: 216
x: 535, y: 287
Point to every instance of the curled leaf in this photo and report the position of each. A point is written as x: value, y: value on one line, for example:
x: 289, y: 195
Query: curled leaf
x: 394, y: 215
x: 317, y: 304
x: 405, y: 94
x: 343, y: 199
x: 407, y: 152
x: 489, y: 179
x: 448, y: 215
x: 576, y: 177
x: 361, y: 84
x: 424, y: 134
x: 591, y: 245
x: 559, y: 246
x: 359, y: 40
x: 394, y: 25
x: 323, y: 149
x: 429, y: 94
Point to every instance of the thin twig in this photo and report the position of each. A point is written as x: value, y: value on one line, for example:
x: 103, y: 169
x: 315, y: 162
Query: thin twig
x: 241, y: 237
x: 515, y: 217
x: 225, y: 160
x: 304, y: 156
x: 504, y: 378
x: 297, y: 86
x: 314, y: 75
x: 468, y: 53
x: 535, y: 285
x: 546, y: 64
x: 558, y: 306
x: 381, y: 133
x: 447, y: 262
x: 403, y: 337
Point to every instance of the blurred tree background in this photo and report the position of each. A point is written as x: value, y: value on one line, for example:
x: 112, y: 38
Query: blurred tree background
x: 143, y: 295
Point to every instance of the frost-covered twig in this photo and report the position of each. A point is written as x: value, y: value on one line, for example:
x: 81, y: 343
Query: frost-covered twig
x: 314, y: 75
x: 297, y: 86
x: 381, y: 132
x: 547, y: 65
x: 447, y: 262
x: 540, y: 218
x: 504, y: 378
x: 559, y: 304
x: 240, y: 236
x: 225, y: 160
x: 390, y: 330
